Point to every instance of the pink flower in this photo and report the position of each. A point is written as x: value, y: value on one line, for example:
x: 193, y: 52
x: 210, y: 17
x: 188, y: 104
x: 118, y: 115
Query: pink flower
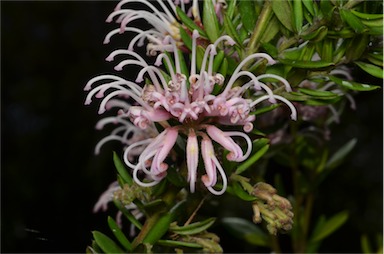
x: 161, y: 16
x: 184, y: 104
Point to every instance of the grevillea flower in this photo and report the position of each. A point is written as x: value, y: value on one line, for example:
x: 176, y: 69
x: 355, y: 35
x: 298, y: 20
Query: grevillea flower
x: 195, y: 104
x: 160, y: 15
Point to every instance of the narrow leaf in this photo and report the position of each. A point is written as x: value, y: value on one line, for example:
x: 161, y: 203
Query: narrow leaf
x: 339, y: 155
x: 353, y: 21
x: 231, y: 30
x: 297, y: 15
x: 246, y: 230
x: 317, y: 93
x: 365, y: 246
x: 330, y: 226
x: 306, y: 64
x: 159, y: 229
x: 309, y: 6
x: 239, y: 191
x: 172, y: 243
x: 189, y: 22
x: 272, y: 28
x: 211, y: 24
x: 106, y: 243
x: 261, y: 146
x: 193, y: 228
x: 186, y: 38
x: 367, y: 16
x: 353, y: 85
x: 248, y: 14
x: 283, y: 11
x: 316, y: 35
x: 119, y: 234
x: 122, y: 170
x: 371, y: 69
x: 128, y: 214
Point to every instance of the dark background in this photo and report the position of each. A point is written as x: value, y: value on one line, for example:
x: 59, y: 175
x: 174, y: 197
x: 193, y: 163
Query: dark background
x: 50, y: 178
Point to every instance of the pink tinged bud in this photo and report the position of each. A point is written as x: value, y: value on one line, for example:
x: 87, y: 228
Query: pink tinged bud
x: 211, y: 164
x: 169, y: 141
x: 208, y: 153
x: 192, y: 159
x: 236, y: 154
x: 158, y: 115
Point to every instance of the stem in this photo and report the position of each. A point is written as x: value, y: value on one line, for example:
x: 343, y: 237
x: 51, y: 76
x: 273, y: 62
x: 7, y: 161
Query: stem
x: 298, y: 243
x: 275, y: 246
x: 260, y: 27
x: 307, y: 213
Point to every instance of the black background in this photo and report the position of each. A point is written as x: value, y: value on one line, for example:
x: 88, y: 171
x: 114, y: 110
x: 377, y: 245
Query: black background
x: 50, y: 178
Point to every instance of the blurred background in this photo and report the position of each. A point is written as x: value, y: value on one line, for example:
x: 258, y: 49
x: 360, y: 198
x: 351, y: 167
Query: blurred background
x: 50, y: 177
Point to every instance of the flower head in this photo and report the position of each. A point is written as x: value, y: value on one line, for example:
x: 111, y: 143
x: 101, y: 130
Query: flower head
x: 190, y: 104
x: 160, y: 15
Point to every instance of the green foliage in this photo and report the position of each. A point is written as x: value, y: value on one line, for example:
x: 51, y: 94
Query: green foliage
x: 246, y: 230
x: 193, y: 228
x: 119, y: 234
x: 311, y: 42
x: 106, y: 244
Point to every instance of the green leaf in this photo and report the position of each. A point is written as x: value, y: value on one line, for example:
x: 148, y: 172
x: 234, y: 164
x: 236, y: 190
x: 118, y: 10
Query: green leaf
x: 313, y: 246
x: 246, y: 230
x: 248, y: 14
x: 376, y: 58
x: 297, y: 15
x: 231, y: 30
x: 271, y: 50
x: 315, y: 36
x: 365, y: 245
x: 193, y: 228
x: 128, y: 214
x: 373, y: 23
x: 218, y: 60
x: 239, y: 191
x: 106, y: 243
x: 183, y: 64
x: 306, y: 64
x: 317, y: 93
x: 283, y: 11
x: 189, y: 22
x: 340, y: 154
x: 371, y: 69
x: 159, y: 229
x: 272, y: 28
x: 186, y: 38
x: 211, y: 24
x: 327, y: 9
x: 353, y: 21
x: 261, y: 146
x: 231, y: 8
x: 330, y: 226
x: 326, y: 53
x: 309, y: 6
x: 367, y: 16
x: 353, y: 85
x: 357, y: 47
x: 172, y: 243
x: 224, y: 67
x: 122, y: 170
x: 119, y: 234
x: 265, y: 109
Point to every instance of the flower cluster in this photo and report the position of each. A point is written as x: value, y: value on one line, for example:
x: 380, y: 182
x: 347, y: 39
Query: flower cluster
x: 186, y: 104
